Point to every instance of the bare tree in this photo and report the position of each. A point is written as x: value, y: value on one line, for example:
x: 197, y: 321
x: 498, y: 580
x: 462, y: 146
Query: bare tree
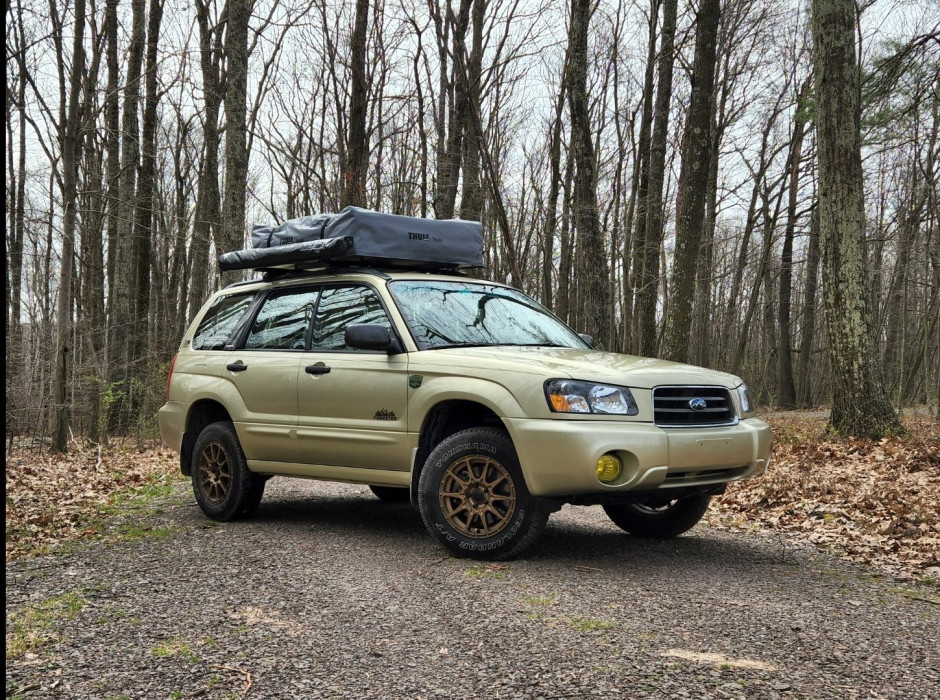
x: 693, y: 181
x: 357, y: 149
x: 860, y: 405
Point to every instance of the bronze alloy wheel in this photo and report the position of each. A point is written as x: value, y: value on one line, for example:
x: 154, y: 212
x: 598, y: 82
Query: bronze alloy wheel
x: 477, y: 496
x: 215, y: 473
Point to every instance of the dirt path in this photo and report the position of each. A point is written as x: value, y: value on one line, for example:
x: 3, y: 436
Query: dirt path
x: 329, y: 593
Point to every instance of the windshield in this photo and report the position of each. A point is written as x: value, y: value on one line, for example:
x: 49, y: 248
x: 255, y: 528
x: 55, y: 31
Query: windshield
x: 453, y: 314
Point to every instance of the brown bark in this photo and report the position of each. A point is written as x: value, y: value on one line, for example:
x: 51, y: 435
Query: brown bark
x: 144, y: 216
x: 121, y: 309
x: 70, y: 134
x: 652, y: 240
x: 592, y: 268
x: 808, y: 330
x: 860, y: 405
x: 786, y: 388
x: 471, y: 204
x: 232, y: 232
x: 208, y: 216
x: 357, y: 147
x: 693, y: 182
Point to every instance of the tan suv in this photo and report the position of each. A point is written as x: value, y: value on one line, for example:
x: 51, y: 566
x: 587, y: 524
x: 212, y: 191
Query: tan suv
x: 465, y: 396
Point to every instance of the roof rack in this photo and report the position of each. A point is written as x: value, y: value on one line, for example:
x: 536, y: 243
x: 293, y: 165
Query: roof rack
x: 269, y: 274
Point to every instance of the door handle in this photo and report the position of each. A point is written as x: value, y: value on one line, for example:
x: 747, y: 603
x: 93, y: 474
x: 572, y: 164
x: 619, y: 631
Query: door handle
x: 317, y: 369
x: 236, y: 366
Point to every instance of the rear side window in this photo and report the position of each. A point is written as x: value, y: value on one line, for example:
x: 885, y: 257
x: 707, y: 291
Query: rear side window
x: 220, y: 320
x: 282, y: 322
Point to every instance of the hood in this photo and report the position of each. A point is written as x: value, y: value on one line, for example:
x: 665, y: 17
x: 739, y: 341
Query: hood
x: 592, y: 365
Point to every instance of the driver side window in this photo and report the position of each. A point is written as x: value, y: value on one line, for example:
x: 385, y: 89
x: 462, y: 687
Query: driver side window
x: 338, y: 308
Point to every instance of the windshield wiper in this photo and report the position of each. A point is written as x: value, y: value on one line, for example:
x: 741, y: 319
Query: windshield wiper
x: 546, y: 344
x: 462, y: 345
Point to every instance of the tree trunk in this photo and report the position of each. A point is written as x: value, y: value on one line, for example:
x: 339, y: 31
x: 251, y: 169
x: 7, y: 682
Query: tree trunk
x: 786, y: 389
x: 144, y: 218
x: 232, y: 231
x: 450, y: 148
x: 860, y: 406
x: 808, y: 331
x: 208, y: 216
x: 471, y: 205
x: 592, y: 268
x: 121, y: 309
x: 71, y: 144
x: 693, y: 182
x: 651, y: 244
x: 357, y: 148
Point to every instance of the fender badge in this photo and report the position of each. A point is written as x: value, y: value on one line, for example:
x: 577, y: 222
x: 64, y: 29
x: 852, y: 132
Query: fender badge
x: 414, y: 381
x: 385, y: 414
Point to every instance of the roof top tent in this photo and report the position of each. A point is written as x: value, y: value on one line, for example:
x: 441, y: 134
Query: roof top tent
x: 361, y: 236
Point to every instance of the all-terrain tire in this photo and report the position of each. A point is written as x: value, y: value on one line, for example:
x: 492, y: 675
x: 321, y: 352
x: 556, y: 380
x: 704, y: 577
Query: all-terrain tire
x: 473, y: 497
x: 222, y: 484
x: 659, y: 517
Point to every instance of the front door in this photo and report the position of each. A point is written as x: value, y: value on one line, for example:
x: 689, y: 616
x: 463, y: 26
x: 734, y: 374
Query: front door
x: 352, y: 403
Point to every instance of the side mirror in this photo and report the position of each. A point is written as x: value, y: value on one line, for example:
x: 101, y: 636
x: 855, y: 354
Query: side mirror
x: 587, y: 339
x: 371, y: 336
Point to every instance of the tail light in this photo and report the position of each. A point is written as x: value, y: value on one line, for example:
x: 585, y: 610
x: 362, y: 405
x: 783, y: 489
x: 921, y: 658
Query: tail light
x: 169, y: 376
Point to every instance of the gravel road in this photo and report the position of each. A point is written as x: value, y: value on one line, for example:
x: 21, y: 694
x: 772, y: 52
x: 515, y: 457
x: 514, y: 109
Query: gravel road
x: 330, y: 593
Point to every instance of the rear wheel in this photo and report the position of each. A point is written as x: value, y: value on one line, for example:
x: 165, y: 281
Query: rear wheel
x: 473, y: 498
x: 391, y: 494
x: 659, y: 516
x: 222, y: 484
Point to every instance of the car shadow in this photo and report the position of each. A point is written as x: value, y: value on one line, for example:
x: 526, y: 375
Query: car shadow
x: 567, y: 540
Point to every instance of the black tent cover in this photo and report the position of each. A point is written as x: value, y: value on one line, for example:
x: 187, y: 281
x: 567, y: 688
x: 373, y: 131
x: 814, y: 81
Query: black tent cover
x: 359, y: 235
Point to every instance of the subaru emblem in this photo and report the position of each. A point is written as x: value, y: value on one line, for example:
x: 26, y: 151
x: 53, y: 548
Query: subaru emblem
x: 697, y: 404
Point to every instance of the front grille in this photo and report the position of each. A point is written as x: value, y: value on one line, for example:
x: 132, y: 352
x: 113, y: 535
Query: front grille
x: 672, y: 406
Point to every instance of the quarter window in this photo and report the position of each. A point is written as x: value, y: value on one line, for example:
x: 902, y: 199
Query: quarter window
x: 220, y: 320
x: 282, y: 322
x: 341, y: 306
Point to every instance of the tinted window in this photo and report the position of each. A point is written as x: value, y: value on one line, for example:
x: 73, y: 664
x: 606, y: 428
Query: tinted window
x: 282, y: 322
x: 341, y: 306
x: 220, y: 320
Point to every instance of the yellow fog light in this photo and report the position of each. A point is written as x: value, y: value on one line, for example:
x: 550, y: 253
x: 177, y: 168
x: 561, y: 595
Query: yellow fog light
x: 608, y: 468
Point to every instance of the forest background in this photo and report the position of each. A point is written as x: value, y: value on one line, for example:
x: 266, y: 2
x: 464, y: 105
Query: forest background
x: 648, y: 169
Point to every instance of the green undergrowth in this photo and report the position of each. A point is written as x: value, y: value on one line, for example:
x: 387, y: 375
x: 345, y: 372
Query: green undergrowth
x: 35, y: 625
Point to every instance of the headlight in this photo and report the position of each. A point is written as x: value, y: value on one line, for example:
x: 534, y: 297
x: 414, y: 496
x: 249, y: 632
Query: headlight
x: 745, y: 397
x: 570, y: 396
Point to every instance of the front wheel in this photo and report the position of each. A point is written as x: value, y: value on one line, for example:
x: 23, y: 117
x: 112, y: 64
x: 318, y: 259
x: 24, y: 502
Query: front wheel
x: 659, y: 516
x: 222, y: 484
x: 473, y: 498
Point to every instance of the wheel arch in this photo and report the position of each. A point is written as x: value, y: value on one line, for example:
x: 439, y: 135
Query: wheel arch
x: 445, y: 418
x: 202, y: 413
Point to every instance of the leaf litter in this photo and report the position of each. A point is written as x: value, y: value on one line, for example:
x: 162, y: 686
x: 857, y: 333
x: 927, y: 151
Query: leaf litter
x: 876, y: 502
x: 871, y: 501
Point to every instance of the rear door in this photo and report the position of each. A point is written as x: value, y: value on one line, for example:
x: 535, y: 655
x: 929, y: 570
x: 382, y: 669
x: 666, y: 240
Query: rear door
x: 263, y: 371
x: 352, y: 403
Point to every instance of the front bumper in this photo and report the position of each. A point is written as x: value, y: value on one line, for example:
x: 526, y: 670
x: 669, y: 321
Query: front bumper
x: 558, y: 457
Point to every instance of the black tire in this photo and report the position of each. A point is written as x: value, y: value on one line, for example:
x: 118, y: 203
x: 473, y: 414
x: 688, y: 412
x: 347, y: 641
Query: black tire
x: 391, y: 494
x: 659, y: 517
x: 473, y: 498
x: 222, y: 484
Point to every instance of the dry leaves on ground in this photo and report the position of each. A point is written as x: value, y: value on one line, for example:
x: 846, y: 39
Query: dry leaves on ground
x: 52, y: 498
x: 868, y: 501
